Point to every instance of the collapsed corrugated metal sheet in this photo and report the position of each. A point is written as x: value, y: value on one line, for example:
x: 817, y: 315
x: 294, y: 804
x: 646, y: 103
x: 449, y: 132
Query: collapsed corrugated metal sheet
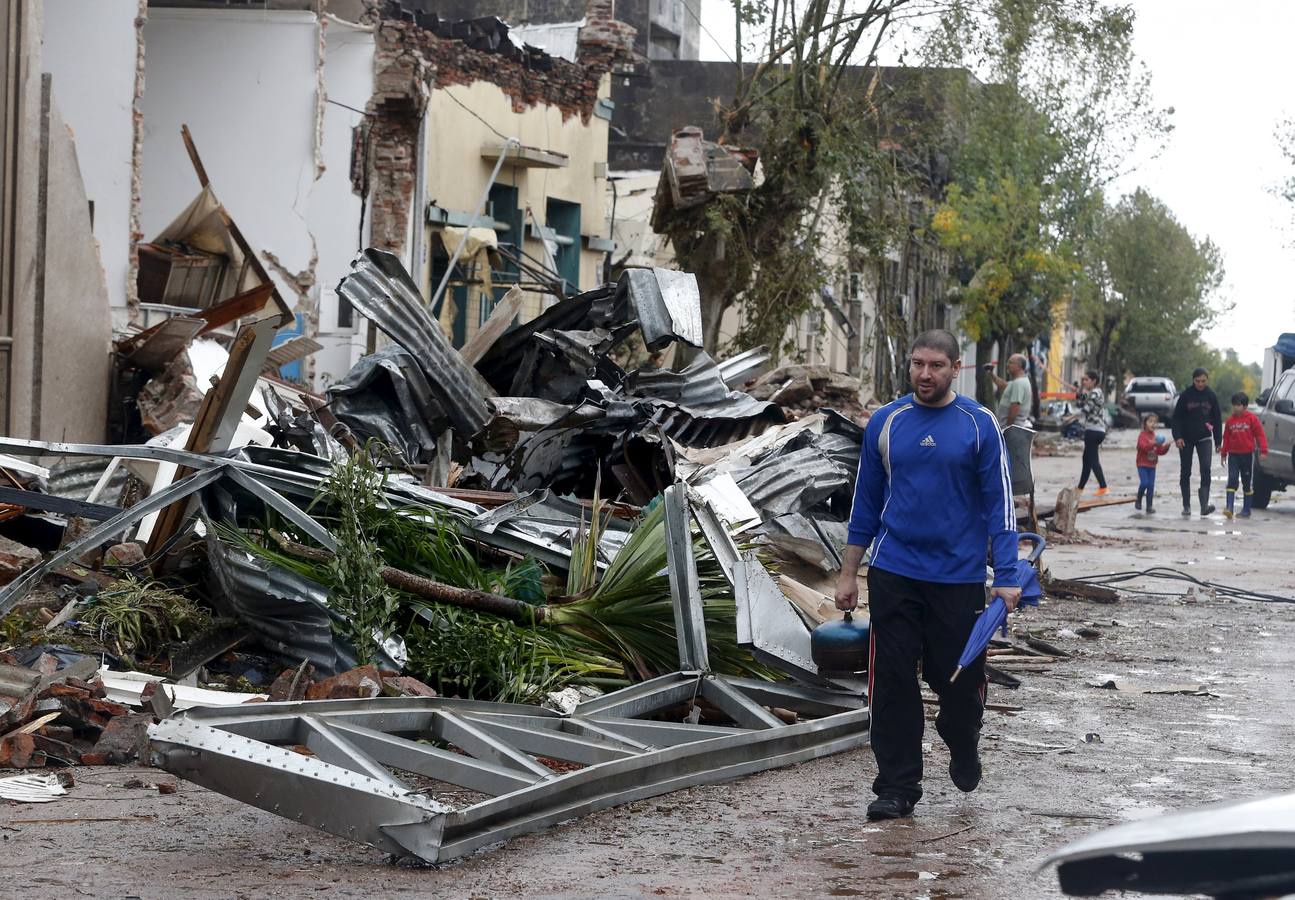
x: 737, y: 371
x: 381, y: 289
x: 667, y: 304
x: 386, y: 396
x: 592, y: 309
x: 76, y: 478
x: 288, y: 613
x: 696, y: 408
x: 792, y: 482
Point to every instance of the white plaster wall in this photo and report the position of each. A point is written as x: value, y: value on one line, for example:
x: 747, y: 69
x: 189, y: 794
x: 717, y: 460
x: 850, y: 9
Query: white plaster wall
x: 335, y: 209
x: 245, y: 83
x: 89, y: 49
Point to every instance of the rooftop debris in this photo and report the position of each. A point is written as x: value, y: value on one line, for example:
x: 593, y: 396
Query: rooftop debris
x: 442, y: 543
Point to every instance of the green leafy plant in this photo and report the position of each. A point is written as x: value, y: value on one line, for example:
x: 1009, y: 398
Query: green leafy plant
x: 141, y: 617
x: 629, y: 614
x: 368, y: 606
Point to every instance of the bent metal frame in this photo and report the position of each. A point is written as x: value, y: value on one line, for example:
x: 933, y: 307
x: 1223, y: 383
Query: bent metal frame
x: 348, y: 787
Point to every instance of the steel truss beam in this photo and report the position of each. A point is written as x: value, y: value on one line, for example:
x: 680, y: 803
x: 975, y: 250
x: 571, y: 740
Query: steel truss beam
x: 352, y: 787
x: 348, y: 789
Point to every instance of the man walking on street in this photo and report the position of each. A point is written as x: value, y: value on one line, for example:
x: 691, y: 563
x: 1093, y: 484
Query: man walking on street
x: 1197, y: 426
x: 933, y: 494
x: 1014, y: 402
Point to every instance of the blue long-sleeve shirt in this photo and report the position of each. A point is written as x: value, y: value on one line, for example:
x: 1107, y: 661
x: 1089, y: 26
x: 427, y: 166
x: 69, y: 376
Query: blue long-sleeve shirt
x: 934, y: 493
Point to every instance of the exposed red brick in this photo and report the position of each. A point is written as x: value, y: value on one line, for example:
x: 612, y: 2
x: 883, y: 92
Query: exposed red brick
x: 410, y: 62
x: 124, y: 739
x: 19, y: 751
x: 358, y: 683
x: 405, y: 686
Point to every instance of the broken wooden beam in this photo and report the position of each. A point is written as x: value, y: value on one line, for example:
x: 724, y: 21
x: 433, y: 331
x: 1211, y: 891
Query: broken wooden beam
x: 1079, y: 590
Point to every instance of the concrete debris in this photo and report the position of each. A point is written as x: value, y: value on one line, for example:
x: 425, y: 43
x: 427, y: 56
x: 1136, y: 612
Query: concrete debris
x: 801, y: 390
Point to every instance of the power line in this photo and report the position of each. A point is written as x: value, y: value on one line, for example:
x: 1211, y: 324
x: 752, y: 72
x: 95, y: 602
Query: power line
x: 688, y: 9
x: 473, y: 113
x: 1221, y: 590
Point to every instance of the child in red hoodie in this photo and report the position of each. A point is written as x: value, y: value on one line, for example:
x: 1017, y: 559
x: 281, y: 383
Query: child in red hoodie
x: 1151, y: 447
x: 1242, y: 432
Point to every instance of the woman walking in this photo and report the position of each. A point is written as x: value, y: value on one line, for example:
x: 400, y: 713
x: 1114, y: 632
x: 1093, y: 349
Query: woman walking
x: 1092, y: 415
x: 1197, y: 425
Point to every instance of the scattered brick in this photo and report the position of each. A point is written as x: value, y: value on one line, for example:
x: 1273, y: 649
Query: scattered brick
x: 405, y: 686
x: 15, y: 558
x: 125, y: 739
x: 361, y: 682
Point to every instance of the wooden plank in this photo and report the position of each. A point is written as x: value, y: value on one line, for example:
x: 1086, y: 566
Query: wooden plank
x: 217, y: 419
x: 290, y: 351
x: 1060, y: 587
x: 500, y: 318
x: 155, y: 348
x: 235, y: 234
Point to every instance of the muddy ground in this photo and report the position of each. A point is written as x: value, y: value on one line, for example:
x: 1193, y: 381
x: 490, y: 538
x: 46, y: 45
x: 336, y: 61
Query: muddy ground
x: 1075, y: 759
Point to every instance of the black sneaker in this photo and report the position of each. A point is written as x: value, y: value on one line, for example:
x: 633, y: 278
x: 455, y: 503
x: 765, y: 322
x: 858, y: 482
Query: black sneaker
x: 890, y: 806
x: 964, y: 769
x: 1187, y: 510
x: 1207, y: 509
x: 1138, y: 503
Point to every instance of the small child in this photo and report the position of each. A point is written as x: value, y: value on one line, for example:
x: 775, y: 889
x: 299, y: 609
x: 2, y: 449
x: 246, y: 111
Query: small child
x: 1242, y: 432
x: 1151, y: 447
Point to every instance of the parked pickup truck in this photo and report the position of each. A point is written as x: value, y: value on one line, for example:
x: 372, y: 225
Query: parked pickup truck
x: 1278, y: 418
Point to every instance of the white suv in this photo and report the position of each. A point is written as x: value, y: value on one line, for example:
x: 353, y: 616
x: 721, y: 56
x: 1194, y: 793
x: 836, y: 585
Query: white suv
x: 1152, y: 394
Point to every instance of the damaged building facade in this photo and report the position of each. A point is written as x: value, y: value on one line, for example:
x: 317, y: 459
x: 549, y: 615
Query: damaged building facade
x: 487, y: 160
x: 324, y: 128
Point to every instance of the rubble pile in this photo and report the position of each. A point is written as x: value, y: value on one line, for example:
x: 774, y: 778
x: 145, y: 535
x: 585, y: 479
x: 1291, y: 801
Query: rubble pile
x: 63, y: 717
x: 459, y: 535
x: 801, y: 389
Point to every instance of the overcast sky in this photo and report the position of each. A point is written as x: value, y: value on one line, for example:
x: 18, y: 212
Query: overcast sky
x: 1228, y: 77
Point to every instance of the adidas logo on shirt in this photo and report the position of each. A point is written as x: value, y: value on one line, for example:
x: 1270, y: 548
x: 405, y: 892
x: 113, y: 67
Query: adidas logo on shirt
x: 927, y: 441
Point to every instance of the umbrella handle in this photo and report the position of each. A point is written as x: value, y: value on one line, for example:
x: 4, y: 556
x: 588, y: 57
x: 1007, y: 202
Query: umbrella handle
x: 1039, y: 545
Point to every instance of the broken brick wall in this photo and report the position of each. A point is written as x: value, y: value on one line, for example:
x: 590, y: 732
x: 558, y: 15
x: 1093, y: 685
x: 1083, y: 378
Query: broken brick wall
x: 411, y: 61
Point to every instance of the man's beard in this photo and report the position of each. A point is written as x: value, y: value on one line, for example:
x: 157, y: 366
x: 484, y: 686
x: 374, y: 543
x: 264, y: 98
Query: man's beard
x: 939, y: 395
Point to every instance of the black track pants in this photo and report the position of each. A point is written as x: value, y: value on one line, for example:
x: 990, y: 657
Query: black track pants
x: 1203, y: 450
x: 1092, y: 461
x: 928, y: 623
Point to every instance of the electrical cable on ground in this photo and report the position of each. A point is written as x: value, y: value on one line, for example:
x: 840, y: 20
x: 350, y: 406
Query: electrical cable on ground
x: 1223, y: 590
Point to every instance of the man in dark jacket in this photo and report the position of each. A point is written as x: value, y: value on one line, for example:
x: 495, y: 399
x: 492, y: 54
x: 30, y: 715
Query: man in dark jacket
x: 1197, y: 426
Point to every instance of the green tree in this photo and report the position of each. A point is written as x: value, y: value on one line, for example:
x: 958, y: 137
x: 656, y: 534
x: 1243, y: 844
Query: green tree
x: 1159, y: 288
x: 801, y: 103
x: 1068, y: 102
x: 1228, y: 375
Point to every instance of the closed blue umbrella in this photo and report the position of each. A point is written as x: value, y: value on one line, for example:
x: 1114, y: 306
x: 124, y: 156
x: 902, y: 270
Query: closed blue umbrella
x: 995, y: 615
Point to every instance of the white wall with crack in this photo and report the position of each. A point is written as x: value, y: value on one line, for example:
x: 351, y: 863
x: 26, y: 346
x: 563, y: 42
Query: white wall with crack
x: 248, y: 84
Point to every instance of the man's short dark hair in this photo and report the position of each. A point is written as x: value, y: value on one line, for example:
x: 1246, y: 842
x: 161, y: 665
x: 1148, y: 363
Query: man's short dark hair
x: 1241, y: 398
x: 941, y: 341
x: 1199, y: 372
